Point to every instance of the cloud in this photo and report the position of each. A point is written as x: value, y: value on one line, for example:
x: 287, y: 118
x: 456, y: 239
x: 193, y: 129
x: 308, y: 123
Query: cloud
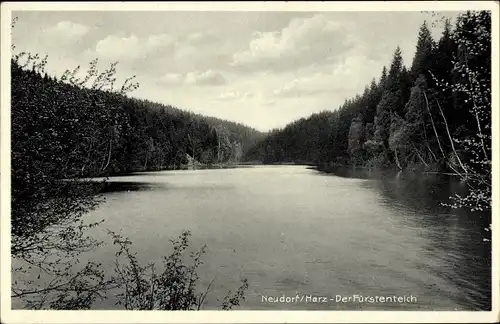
x: 347, y: 76
x: 234, y: 95
x: 201, y: 51
x: 116, y: 47
x: 68, y: 29
x: 209, y: 77
x: 304, y: 86
x: 162, y: 53
x: 268, y: 103
x: 189, y: 47
x: 206, y: 78
x: 303, y: 42
x: 201, y: 38
x: 172, y: 79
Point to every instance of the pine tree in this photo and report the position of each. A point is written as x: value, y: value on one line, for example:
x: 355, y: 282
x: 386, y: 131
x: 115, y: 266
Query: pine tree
x: 396, y: 83
x: 442, y: 69
x: 383, y: 78
x: 373, y: 99
x: 356, y: 140
x: 393, y: 79
x: 420, y: 123
x: 385, y: 110
x: 405, y: 84
x: 423, y: 59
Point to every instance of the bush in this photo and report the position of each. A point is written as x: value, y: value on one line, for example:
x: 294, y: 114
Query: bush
x: 173, y: 288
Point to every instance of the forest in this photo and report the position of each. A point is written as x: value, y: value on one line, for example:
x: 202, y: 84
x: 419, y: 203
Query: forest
x: 432, y: 116
x: 66, y: 134
x: 100, y: 132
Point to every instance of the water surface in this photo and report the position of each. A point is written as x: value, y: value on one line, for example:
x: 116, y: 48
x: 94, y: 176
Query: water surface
x: 291, y: 230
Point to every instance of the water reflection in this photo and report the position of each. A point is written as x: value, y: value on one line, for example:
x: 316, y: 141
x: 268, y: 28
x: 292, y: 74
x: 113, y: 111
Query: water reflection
x: 119, y: 186
x: 454, y: 236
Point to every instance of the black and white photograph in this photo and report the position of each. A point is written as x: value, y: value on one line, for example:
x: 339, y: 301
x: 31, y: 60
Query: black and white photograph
x: 311, y: 158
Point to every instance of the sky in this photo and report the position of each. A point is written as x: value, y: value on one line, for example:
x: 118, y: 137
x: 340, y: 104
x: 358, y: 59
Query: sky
x: 263, y: 69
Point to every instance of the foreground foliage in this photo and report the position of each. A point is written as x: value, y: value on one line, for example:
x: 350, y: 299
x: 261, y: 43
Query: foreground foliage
x: 173, y: 288
x: 68, y: 130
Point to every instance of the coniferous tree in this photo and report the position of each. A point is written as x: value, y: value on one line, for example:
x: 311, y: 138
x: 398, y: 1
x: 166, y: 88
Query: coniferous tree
x: 394, y: 75
x: 405, y: 84
x: 356, y: 140
x: 383, y: 79
x: 372, y: 100
x: 442, y: 69
x: 423, y: 59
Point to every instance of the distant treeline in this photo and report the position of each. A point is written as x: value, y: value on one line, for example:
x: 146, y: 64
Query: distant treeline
x: 83, y: 132
x: 434, y: 115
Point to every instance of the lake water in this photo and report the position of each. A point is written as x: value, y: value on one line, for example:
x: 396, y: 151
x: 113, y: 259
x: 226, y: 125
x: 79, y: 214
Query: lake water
x: 291, y: 230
